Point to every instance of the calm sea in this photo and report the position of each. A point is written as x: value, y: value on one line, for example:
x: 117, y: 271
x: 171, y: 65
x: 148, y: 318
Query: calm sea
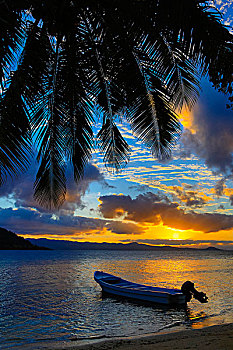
x: 51, y: 295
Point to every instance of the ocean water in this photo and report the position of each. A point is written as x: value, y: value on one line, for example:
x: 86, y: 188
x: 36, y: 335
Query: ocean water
x: 52, y: 296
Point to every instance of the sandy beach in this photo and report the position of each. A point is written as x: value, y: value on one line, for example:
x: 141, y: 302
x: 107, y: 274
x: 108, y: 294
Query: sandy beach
x: 218, y: 337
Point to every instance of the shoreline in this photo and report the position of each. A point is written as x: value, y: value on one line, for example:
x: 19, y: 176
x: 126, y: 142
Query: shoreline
x: 217, y: 337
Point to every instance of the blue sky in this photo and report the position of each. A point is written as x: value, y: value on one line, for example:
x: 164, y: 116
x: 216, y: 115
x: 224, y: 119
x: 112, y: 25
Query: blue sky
x: 187, y: 200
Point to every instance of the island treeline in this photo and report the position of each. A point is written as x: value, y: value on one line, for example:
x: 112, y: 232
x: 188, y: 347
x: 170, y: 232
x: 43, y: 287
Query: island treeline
x: 10, y: 241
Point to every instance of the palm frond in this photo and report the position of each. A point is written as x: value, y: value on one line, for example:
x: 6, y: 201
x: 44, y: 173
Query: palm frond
x: 59, y: 61
x: 50, y: 184
x: 77, y: 125
x: 114, y: 147
x: 146, y: 98
x: 182, y: 81
x: 196, y: 26
x: 15, y: 138
x: 14, y: 151
x: 18, y: 101
x: 12, y: 33
x: 155, y: 123
x: 94, y: 35
x: 221, y: 69
x: 166, y: 61
x: 109, y: 139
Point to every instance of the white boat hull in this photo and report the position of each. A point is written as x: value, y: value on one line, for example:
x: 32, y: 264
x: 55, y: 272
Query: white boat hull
x: 126, y: 289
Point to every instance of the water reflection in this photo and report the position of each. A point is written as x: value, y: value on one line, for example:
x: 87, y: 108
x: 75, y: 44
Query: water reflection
x: 52, y: 295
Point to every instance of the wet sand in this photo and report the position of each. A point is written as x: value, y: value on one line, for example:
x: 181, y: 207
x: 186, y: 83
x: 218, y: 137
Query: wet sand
x: 210, y: 338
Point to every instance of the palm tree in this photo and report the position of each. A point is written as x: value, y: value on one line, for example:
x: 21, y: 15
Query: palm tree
x: 63, y: 62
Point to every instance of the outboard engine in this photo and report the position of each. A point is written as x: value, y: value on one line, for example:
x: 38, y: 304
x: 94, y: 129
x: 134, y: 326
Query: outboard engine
x: 189, y: 291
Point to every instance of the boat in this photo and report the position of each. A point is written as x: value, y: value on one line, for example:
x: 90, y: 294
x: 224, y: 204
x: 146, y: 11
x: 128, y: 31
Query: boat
x: 117, y: 286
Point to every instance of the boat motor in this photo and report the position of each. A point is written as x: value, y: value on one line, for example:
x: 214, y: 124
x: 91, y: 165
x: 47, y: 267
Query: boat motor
x: 189, y: 291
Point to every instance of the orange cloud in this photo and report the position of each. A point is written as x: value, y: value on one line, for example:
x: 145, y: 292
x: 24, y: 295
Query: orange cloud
x: 150, y: 208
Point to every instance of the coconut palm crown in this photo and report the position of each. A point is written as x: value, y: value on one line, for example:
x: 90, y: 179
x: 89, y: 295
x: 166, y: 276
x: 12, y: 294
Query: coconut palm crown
x: 64, y: 62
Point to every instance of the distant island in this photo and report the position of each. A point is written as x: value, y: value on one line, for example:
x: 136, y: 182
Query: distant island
x: 10, y: 241
x: 70, y: 245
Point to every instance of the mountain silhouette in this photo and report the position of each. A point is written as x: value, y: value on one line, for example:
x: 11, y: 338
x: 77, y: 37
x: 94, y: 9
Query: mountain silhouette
x: 71, y: 245
x: 10, y: 241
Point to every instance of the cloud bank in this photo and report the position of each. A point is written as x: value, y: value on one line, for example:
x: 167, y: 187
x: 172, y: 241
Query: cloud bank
x: 150, y: 208
x: 212, y: 140
x: 21, y: 190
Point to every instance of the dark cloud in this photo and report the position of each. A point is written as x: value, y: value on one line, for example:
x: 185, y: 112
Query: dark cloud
x: 198, y: 222
x: 145, y: 208
x: 76, y: 191
x: 191, y: 198
x: 149, y: 208
x: 231, y: 199
x: 21, y: 185
x: 219, y: 187
x: 25, y: 221
x: 213, y: 139
x: 189, y: 144
x: 21, y: 190
x: 195, y: 202
x: 122, y: 228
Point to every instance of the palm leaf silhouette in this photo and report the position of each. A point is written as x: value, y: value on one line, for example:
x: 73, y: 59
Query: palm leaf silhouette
x: 61, y: 61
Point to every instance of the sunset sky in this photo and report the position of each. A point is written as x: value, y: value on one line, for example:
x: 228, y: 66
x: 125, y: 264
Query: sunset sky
x: 186, y: 201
